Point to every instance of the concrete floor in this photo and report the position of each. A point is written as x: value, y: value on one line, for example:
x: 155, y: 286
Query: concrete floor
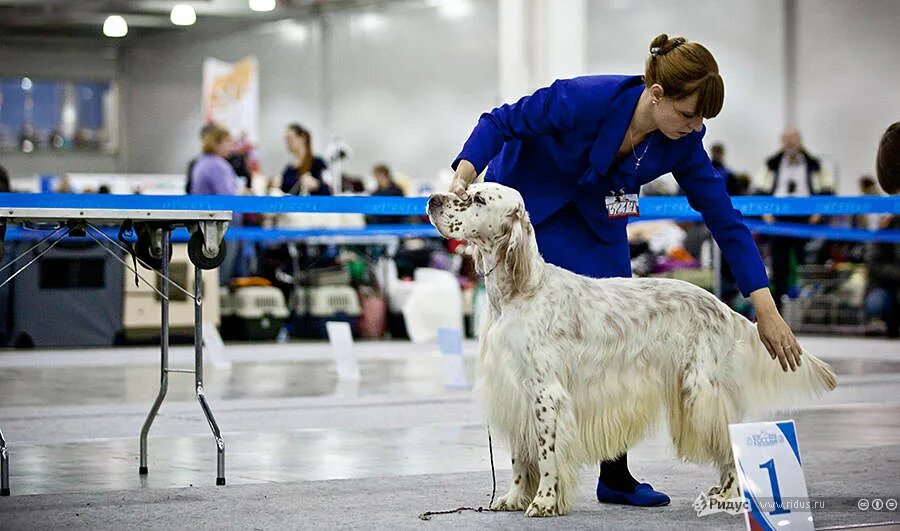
x: 305, y: 450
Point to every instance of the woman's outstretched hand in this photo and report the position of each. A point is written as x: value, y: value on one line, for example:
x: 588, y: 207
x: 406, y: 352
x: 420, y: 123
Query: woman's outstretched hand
x: 775, y: 334
x: 465, y: 174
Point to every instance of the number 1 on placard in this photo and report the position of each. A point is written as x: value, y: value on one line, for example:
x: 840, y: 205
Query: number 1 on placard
x: 776, y: 492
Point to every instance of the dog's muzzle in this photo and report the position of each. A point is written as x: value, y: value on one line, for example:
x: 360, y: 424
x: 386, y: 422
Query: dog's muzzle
x: 434, y: 202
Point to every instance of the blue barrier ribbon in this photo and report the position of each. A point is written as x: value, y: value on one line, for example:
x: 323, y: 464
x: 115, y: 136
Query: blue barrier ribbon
x: 799, y: 230
x: 651, y: 207
x: 257, y: 234
x: 241, y: 204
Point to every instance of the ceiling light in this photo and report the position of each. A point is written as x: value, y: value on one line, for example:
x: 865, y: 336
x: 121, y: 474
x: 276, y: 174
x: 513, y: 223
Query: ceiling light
x: 453, y: 9
x: 262, y: 5
x: 456, y: 9
x: 293, y: 31
x: 371, y: 22
x: 115, y: 26
x: 183, y: 15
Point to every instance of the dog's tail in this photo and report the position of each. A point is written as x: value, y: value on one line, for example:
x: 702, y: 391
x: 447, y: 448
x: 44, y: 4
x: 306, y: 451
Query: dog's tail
x: 768, y: 386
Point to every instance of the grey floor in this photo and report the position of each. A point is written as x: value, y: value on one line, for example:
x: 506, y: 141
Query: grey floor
x: 304, y: 450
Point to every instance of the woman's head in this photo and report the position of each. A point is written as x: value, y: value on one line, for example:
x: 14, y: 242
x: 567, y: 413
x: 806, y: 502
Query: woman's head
x: 298, y: 140
x: 684, y: 83
x: 887, y: 164
x: 299, y: 143
x: 382, y: 174
x: 216, y: 140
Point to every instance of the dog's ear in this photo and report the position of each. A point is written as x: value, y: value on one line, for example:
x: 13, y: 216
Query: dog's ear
x: 516, y: 254
x: 477, y: 257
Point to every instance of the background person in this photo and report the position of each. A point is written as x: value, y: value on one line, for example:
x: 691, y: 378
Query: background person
x: 305, y: 174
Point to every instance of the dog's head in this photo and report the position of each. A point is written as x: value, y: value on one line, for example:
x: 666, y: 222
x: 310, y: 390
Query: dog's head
x: 494, y: 219
x: 491, y: 211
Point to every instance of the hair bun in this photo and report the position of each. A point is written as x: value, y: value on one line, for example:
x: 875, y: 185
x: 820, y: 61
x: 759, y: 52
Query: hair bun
x: 659, y: 41
x: 662, y: 44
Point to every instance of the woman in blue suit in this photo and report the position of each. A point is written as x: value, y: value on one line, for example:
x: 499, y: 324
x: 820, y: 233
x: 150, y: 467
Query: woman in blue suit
x: 579, y: 150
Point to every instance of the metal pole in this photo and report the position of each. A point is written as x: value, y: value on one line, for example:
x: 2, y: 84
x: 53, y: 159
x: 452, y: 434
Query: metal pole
x: 164, y: 352
x: 198, y: 376
x: 4, y: 467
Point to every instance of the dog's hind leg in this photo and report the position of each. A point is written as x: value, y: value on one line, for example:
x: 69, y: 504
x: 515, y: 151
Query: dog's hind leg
x: 524, y: 481
x: 554, y: 422
x: 728, y: 487
x: 701, y: 405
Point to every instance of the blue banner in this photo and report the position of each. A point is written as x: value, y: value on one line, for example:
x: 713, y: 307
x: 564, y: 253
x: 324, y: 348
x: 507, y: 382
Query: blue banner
x: 651, y: 207
x: 257, y: 234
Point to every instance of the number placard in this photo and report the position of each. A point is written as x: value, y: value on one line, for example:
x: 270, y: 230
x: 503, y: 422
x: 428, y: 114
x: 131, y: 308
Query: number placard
x: 767, y: 457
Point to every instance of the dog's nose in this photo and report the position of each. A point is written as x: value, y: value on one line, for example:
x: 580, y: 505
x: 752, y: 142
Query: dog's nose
x: 435, y: 202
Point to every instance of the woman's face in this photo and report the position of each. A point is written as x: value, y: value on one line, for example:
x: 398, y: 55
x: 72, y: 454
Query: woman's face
x: 676, y: 118
x: 224, y: 147
x: 296, y: 144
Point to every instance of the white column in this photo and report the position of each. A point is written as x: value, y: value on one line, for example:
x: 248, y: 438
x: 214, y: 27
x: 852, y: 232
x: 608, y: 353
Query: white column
x: 540, y: 41
x: 514, y: 63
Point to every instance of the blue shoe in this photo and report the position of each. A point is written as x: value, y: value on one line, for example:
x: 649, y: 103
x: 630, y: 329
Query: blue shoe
x: 643, y: 496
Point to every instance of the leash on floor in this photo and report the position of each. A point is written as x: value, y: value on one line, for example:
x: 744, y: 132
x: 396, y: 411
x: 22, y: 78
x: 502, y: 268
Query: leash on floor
x: 428, y: 514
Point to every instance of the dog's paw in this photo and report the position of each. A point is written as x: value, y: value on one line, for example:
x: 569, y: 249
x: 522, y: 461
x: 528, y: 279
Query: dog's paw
x: 727, y: 490
x: 544, y: 506
x: 713, y: 491
x: 514, y: 500
x: 544, y: 503
x: 723, y: 493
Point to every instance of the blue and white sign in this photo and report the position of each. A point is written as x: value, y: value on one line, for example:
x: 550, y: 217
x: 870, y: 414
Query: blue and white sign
x: 451, y: 346
x: 767, y: 457
x: 341, y: 338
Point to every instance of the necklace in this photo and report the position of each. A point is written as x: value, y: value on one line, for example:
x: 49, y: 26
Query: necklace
x: 637, y: 162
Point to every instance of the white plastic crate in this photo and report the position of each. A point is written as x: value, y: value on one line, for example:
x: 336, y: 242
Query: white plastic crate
x: 254, y: 302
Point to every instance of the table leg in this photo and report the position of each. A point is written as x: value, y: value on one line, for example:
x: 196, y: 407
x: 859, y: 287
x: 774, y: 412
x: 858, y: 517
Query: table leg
x: 164, y: 352
x: 4, y: 467
x: 198, y: 375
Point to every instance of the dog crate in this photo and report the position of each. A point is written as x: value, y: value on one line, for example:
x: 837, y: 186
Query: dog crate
x: 141, y: 312
x: 829, y: 301
x: 71, y: 297
x: 252, y: 313
x: 314, y: 306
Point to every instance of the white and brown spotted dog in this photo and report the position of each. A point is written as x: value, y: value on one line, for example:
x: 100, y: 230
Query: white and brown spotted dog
x: 575, y: 370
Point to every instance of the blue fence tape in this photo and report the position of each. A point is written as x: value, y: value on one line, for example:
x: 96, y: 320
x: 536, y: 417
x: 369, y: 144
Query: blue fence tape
x: 651, y: 207
x: 798, y: 230
x: 256, y: 234
x: 237, y: 204
x: 676, y: 208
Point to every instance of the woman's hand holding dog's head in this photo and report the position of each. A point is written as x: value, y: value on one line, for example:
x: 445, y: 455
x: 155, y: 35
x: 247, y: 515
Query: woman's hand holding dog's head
x: 464, y: 176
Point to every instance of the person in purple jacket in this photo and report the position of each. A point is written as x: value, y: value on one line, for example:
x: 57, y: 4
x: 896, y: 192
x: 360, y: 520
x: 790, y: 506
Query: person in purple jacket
x: 579, y: 150
x: 212, y: 174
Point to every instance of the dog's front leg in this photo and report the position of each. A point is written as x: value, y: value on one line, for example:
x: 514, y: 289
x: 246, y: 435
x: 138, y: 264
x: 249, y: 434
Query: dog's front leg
x: 546, y: 500
x: 523, y: 484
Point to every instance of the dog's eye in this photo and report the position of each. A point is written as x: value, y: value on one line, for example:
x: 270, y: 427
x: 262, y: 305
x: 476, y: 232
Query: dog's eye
x: 479, y: 200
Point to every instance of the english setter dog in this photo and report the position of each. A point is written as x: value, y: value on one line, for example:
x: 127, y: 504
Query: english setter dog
x: 575, y: 370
